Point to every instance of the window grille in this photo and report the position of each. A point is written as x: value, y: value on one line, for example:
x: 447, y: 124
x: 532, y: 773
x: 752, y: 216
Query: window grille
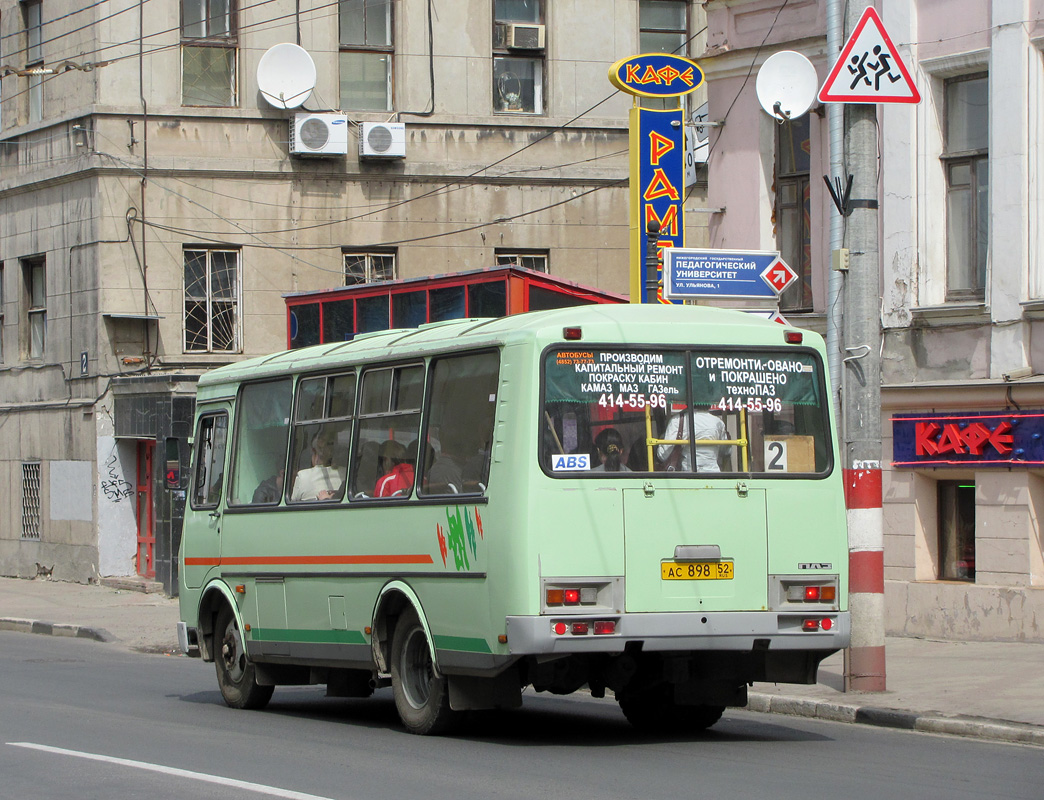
x: 31, y: 501
x: 212, y: 297
x: 368, y: 268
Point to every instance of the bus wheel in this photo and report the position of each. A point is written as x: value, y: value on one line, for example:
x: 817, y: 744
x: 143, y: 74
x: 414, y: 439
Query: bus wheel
x: 421, y: 698
x: 235, y: 673
x: 652, y: 712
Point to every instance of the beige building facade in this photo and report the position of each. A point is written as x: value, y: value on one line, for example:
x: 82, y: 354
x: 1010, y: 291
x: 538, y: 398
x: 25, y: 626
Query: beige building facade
x: 155, y: 208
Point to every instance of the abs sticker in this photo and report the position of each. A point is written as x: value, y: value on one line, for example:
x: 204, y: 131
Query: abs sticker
x: 571, y: 463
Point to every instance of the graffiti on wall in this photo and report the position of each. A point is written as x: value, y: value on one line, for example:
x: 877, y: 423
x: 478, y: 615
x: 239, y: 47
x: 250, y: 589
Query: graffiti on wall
x: 114, y: 487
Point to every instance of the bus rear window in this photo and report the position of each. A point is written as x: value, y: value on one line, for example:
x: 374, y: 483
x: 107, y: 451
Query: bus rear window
x: 720, y: 411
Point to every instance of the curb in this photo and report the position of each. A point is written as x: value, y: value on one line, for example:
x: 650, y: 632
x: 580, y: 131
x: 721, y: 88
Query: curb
x: 924, y: 722
x: 56, y: 629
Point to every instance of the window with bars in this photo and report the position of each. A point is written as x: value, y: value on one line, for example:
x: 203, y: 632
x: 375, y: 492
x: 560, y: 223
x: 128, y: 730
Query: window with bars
x: 208, y: 53
x: 34, y: 280
x: 212, y: 286
x: 31, y: 523
x: 366, y: 53
x: 34, y: 57
x: 518, y: 56
x: 966, y: 163
x: 793, y: 210
x: 362, y: 267
x: 529, y: 259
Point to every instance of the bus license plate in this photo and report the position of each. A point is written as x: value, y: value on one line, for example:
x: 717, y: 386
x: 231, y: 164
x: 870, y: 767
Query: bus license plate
x: 696, y: 570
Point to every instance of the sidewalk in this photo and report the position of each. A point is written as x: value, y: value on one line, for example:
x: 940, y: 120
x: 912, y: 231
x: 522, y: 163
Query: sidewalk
x: 988, y: 690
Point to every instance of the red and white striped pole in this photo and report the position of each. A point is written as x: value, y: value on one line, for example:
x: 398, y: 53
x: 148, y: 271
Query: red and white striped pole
x: 865, y: 670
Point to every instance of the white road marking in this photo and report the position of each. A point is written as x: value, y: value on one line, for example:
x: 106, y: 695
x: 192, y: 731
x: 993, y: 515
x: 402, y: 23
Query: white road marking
x: 273, y: 791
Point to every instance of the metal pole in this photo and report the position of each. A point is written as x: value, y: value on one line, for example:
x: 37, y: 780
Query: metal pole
x: 862, y: 398
x: 652, y: 261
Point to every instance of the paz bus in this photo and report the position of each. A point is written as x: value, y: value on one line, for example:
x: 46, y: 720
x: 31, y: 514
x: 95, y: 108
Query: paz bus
x: 635, y: 499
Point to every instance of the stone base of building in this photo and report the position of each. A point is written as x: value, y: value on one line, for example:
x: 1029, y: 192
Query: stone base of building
x: 959, y: 611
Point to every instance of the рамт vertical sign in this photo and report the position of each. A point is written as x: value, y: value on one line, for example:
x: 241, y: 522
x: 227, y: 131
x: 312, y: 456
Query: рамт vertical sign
x: 657, y: 152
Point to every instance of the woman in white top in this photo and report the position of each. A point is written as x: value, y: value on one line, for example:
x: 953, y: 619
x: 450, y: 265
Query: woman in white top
x: 322, y: 481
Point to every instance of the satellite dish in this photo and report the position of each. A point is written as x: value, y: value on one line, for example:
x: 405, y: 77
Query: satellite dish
x: 286, y: 75
x: 787, y: 85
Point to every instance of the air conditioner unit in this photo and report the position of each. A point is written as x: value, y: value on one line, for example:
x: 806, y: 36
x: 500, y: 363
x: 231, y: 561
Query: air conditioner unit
x: 516, y: 36
x: 319, y: 135
x: 382, y: 140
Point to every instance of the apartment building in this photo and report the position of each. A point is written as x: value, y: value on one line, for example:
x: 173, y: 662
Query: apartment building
x: 156, y: 206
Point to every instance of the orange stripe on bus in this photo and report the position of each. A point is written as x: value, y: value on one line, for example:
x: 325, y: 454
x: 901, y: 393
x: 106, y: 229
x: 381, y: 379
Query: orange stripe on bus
x: 422, y: 558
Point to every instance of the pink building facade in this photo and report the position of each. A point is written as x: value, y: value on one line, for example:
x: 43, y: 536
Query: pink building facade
x: 961, y: 193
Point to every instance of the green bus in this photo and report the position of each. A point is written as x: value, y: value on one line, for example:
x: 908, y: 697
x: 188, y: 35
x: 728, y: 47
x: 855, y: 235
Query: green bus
x: 629, y: 498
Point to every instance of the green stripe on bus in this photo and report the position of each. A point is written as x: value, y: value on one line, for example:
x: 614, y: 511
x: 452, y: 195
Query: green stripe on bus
x: 465, y: 643
x: 321, y: 637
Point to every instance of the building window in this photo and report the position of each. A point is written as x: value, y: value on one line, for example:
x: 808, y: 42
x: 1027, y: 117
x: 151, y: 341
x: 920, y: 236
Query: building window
x: 208, y: 53
x: 957, y: 531
x: 366, y: 54
x: 529, y: 259
x: 368, y: 267
x: 34, y: 278
x: 793, y: 210
x: 211, y: 301
x: 966, y: 164
x: 31, y: 500
x: 518, y: 56
x: 34, y: 57
x: 663, y: 26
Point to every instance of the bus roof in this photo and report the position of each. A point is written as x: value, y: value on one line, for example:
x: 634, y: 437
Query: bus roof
x: 627, y: 323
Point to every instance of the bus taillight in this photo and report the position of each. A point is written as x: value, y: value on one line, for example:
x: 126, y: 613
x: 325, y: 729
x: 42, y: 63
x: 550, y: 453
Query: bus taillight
x: 572, y: 597
x: 604, y: 627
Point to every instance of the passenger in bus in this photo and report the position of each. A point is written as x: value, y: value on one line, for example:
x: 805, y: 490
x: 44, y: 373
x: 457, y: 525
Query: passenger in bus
x: 269, y: 490
x: 447, y: 473
x: 609, y: 444
x: 322, y: 481
x: 705, y: 426
x: 397, y: 467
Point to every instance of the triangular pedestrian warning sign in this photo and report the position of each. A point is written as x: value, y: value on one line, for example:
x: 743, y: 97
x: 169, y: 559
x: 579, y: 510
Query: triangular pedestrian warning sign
x: 869, y: 70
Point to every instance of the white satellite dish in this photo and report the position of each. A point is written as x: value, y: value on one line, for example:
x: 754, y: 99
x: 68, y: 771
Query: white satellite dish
x: 787, y: 85
x: 286, y: 75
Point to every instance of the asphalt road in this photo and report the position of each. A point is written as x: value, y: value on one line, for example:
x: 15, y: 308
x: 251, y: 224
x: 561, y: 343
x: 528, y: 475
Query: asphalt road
x: 81, y: 719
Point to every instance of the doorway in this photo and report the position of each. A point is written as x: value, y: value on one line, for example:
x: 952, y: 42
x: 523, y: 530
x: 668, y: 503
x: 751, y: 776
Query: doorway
x: 145, y: 564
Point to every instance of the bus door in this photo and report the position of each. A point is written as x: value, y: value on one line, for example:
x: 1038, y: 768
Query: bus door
x: 201, y: 551
x: 695, y: 549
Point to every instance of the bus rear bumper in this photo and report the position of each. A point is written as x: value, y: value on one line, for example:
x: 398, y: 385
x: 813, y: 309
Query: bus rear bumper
x: 674, y: 631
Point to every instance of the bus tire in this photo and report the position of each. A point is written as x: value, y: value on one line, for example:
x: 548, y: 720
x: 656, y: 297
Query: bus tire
x: 653, y: 712
x: 236, y: 676
x: 421, y: 697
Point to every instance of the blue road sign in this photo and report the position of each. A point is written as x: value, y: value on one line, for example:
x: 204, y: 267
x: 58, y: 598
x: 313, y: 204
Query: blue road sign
x: 689, y: 273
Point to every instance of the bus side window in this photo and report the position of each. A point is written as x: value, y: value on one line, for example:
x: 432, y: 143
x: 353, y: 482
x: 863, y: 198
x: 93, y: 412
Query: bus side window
x: 389, y: 422
x: 321, y: 438
x: 262, y: 434
x: 460, y: 418
x: 210, y: 460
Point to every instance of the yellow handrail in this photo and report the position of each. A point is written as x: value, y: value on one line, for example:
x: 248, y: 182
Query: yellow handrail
x: 742, y: 442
